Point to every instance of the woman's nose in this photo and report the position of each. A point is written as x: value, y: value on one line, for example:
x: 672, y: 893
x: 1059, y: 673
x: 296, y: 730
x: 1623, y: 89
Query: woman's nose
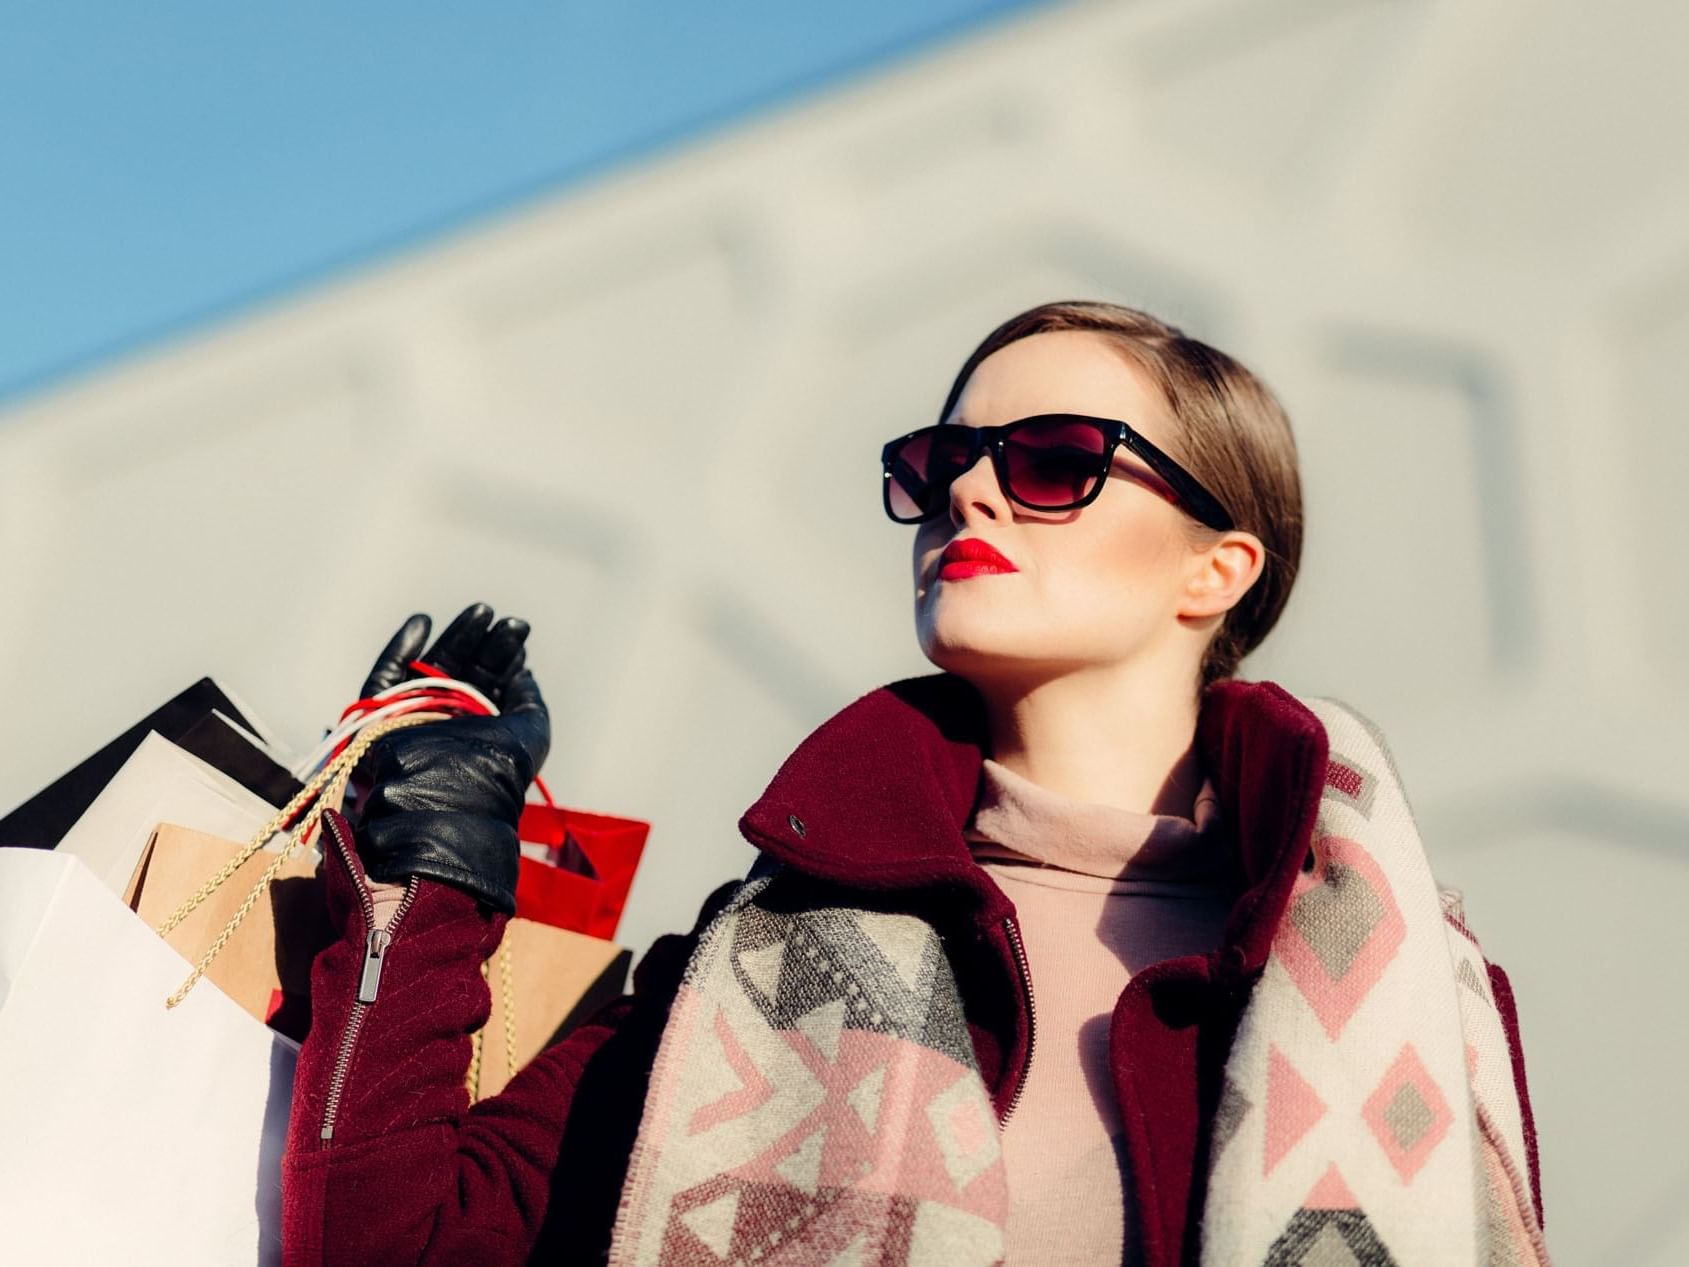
x: 977, y: 487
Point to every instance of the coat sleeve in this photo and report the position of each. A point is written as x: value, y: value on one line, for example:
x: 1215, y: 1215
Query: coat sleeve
x: 386, y: 1161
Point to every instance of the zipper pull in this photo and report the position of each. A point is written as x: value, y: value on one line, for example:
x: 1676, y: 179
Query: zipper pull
x: 379, y: 940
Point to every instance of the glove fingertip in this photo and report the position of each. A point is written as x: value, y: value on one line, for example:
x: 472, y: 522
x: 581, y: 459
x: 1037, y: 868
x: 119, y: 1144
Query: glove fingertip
x: 392, y: 666
x: 454, y: 650
x: 500, y: 655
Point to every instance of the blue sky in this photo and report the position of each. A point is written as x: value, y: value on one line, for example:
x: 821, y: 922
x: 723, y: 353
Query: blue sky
x: 167, y: 163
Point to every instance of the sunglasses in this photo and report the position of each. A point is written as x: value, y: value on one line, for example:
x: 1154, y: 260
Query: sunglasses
x: 1045, y: 462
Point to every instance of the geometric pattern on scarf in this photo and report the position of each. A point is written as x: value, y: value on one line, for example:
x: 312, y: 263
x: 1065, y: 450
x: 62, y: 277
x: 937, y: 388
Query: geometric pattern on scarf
x: 1368, y: 1112
x: 1329, y: 1238
x: 814, y: 1100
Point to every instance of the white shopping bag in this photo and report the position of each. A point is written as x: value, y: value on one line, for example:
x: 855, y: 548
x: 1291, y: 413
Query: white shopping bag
x: 128, y: 1133
x: 160, y: 783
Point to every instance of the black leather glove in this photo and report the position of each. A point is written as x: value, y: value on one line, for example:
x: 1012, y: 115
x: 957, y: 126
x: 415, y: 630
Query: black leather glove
x: 446, y: 795
x: 472, y: 649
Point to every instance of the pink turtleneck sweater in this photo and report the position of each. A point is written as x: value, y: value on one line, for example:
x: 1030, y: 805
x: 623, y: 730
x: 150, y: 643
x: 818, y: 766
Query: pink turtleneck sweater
x: 1100, y: 893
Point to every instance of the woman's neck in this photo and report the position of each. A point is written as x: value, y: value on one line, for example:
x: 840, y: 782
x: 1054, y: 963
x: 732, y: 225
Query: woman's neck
x: 1102, y: 736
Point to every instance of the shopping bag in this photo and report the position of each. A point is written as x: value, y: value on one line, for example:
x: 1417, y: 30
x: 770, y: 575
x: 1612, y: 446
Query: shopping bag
x: 577, y: 867
x: 132, y: 1134
x: 159, y: 783
x: 549, y: 978
x: 219, y: 742
x: 544, y: 981
x: 265, y: 965
x: 203, y: 720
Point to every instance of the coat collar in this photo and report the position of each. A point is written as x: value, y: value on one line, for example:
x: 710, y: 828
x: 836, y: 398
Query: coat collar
x: 877, y: 796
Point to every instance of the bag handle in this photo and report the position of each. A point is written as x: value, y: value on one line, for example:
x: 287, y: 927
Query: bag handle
x: 507, y: 995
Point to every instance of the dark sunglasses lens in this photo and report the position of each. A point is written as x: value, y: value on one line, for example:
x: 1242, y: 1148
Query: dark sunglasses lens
x: 923, y: 468
x: 1055, y: 463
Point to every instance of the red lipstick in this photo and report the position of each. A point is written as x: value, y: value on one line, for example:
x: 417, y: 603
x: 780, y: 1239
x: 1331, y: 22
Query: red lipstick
x: 969, y: 556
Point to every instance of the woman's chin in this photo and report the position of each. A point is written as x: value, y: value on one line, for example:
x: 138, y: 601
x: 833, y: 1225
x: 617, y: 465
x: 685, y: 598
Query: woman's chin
x: 976, y: 655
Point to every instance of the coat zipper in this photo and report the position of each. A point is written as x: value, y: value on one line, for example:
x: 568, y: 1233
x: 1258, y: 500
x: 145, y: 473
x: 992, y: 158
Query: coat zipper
x: 376, y: 943
x: 1013, y: 931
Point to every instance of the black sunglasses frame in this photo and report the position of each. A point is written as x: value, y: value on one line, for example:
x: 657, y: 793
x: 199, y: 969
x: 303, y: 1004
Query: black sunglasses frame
x: 1194, y: 499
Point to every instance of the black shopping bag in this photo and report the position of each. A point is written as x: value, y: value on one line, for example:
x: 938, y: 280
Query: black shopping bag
x: 191, y: 721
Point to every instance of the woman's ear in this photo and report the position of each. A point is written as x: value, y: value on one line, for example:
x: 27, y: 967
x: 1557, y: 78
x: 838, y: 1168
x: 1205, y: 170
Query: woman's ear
x: 1221, y: 574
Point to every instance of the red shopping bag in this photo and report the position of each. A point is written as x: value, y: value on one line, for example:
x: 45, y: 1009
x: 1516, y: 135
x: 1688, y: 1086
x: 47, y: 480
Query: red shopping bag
x: 582, y: 884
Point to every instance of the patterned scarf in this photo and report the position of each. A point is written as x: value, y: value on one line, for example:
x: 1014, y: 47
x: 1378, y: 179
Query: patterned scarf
x: 815, y: 1098
x: 1369, y: 1113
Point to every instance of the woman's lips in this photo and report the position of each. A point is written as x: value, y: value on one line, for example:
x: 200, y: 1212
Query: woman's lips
x: 961, y: 571
x: 971, y: 557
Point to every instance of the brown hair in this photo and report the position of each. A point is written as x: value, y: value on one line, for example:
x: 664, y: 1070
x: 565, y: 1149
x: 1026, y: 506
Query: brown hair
x: 1234, y: 437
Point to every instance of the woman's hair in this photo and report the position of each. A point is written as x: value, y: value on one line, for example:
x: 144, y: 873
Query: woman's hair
x: 1234, y: 436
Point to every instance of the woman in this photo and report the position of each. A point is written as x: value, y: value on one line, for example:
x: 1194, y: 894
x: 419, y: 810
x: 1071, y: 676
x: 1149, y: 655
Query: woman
x: 1049, y: 957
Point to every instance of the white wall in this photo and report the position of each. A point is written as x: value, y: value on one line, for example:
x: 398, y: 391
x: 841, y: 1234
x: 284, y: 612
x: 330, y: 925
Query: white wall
x: 1451, y: 236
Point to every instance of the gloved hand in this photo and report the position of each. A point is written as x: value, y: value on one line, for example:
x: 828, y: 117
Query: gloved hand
x: 472, y: 649
x: 446, y: 795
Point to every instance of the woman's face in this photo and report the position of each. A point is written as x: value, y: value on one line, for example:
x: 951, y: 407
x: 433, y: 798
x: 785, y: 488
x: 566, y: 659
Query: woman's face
x: 1092, y: 587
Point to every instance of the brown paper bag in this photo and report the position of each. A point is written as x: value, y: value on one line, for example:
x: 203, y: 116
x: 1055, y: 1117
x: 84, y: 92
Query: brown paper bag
x: 556, y: 977
x: 267, y: 974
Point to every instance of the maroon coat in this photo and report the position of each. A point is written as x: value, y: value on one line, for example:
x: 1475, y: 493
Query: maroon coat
x: 387, y: 1163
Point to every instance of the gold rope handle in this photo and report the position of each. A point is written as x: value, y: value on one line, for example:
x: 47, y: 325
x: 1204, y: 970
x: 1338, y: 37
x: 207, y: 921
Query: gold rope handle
x: 509, y: 995
x: 328, y: 789
x: 472, y: 1079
